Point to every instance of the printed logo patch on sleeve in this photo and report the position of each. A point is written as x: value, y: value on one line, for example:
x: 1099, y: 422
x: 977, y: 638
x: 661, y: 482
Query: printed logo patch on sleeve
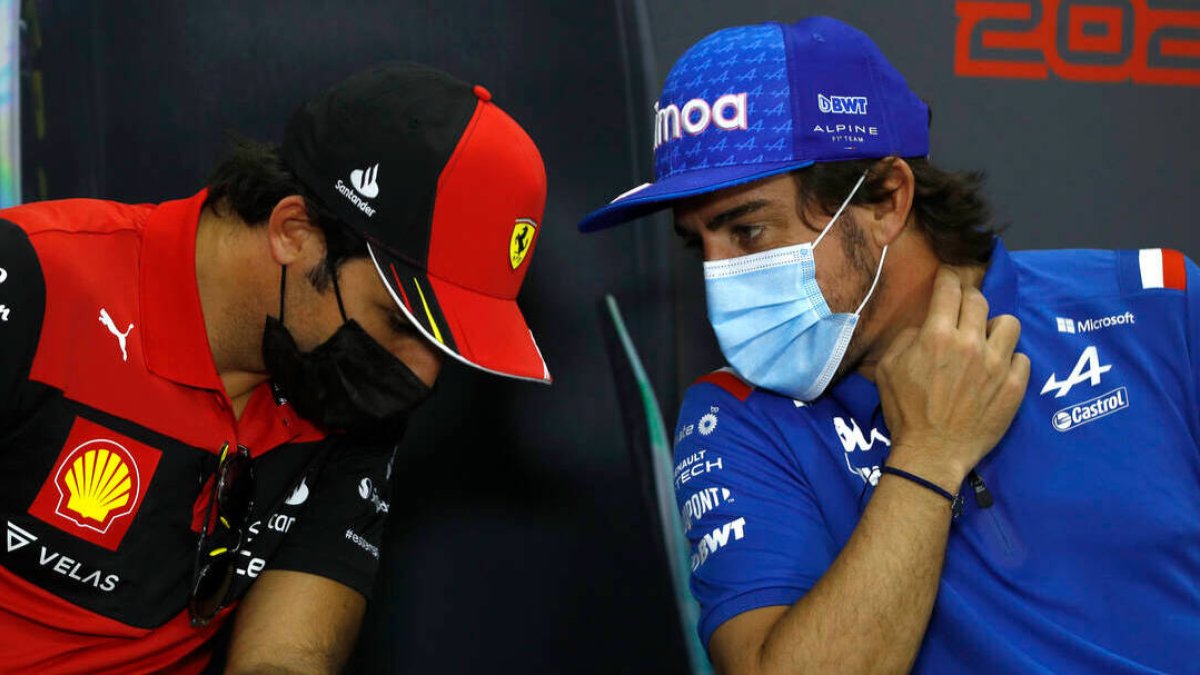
x: 97, y: 485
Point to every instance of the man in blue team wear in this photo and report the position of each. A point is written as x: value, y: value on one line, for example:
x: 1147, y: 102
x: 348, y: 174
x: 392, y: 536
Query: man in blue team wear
x: 890, y: 356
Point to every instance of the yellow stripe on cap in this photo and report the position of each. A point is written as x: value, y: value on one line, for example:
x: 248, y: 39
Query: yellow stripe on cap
x: 433, y: 324
x: 216, y: 552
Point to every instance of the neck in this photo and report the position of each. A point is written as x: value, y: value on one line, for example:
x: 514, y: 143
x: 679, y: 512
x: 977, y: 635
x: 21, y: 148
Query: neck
x: 228, y: 281
x: 904, y: 301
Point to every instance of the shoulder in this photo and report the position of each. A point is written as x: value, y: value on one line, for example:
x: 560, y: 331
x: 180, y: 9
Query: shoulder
x: 77, y: 216
x: 724, y: 391
x: 77, y: 241
x: 70, y: 234
x: 721, y: 410
x: 1077, y: 274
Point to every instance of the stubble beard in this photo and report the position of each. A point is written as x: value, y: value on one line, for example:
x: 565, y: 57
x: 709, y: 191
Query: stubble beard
x: 862, y: 265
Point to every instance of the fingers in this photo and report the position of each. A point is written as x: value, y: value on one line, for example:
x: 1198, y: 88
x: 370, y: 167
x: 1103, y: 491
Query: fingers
x: 903, y: 340
x: 899, y: 345
x: 972, y: 315
x: 1003, y: 331
x: 945, y: 303
x: 1012, y: 390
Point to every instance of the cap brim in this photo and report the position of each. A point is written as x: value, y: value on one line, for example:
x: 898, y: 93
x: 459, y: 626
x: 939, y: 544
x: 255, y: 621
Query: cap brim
x: 479, y: 330
x: 651, y: 197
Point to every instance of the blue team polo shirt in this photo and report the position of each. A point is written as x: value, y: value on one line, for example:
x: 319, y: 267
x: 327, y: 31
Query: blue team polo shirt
x: 1089, y: 558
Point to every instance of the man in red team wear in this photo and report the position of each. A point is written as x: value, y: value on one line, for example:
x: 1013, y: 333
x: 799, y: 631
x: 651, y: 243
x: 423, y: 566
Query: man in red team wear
x: 200, y: 400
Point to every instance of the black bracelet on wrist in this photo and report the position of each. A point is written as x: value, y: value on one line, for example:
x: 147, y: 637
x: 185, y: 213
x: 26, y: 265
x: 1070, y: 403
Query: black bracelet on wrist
x: 956, y: 501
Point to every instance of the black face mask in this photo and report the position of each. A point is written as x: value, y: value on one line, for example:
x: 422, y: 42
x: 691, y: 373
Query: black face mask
x: 349, y: 382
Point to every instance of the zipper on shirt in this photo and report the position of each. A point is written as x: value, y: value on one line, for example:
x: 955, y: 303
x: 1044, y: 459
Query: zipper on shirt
x: 983, y: 496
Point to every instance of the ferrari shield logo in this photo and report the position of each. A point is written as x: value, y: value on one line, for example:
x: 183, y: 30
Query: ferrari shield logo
x: 522, y: 240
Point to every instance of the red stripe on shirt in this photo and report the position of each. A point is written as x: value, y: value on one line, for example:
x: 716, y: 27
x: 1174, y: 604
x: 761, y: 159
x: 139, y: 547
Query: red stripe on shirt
x: 729, y: 382
x: 1174, y: 270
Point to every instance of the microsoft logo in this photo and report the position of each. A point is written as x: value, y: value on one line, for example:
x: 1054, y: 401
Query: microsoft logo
x: 1095, y: 323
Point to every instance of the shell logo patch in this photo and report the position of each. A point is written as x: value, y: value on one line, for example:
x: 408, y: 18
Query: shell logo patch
x: 524, y: 230
x: 97, y: 484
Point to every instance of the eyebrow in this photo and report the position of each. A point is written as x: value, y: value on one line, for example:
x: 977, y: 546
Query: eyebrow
x: 725, y: 217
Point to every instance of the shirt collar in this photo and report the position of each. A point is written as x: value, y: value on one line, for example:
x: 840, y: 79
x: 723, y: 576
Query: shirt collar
x: 859, y: 397
x: 1000, y: 282
x: 173, y: 331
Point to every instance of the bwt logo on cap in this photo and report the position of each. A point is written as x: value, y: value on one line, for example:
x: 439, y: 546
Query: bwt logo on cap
x: 728, y: 112
x: 842, y: 105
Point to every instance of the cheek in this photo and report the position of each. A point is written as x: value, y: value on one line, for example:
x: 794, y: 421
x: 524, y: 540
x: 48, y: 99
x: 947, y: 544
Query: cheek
x: 839, y: 283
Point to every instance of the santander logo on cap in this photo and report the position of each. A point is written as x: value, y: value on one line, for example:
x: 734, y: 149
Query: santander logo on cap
x: 364, y: 184
x: 364, y: 181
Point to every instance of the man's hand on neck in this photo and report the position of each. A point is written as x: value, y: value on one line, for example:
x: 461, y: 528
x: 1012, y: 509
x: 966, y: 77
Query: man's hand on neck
x: 908, y: 305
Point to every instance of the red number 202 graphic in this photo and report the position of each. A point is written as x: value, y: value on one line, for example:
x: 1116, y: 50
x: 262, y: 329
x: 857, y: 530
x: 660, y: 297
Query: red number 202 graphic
x: 1158, y: 34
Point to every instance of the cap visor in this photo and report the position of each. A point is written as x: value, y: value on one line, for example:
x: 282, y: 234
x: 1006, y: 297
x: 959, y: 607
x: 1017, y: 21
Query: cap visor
x: 480, y: 330
x: 651, y: 197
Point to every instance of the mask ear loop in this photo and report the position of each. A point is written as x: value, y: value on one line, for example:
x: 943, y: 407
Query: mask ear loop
x: 878, y: 272
x: 337, y: 291
x: 837, y: 215
x: 282, y: 289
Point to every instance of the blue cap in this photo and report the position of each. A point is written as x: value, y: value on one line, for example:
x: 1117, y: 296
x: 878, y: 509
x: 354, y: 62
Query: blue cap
x: 750, y: 102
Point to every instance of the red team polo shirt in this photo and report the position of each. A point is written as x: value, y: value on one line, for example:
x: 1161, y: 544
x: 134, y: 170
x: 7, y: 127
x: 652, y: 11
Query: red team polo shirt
x: 111, y: 415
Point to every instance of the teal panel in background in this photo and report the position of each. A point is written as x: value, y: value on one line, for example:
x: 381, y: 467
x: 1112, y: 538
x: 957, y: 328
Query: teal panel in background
x: 10, y: 118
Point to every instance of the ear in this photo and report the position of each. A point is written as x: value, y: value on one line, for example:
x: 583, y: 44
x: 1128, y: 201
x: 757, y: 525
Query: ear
x: 891, y: 214
x: 291, y: 234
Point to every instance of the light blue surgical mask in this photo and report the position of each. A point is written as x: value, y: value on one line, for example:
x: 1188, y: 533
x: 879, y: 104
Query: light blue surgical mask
x: 772, y: 321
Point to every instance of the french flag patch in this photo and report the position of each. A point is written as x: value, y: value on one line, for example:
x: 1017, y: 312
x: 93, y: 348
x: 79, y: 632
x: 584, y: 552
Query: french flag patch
x: 1162, y: 268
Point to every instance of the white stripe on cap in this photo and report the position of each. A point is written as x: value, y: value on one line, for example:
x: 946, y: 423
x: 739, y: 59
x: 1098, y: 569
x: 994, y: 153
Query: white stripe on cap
x: 630, y: 192
x: 1151, y: 262
x: 437, y: 342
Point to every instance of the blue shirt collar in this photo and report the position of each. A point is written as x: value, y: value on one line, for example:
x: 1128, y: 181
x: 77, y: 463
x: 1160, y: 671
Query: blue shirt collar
x: 1000, y: 282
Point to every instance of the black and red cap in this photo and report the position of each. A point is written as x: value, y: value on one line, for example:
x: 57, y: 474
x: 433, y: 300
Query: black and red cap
x: 449, y: 193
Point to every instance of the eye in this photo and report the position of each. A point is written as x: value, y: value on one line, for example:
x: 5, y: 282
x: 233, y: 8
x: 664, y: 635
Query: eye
x: 747, y: 235
x: 693, y: 245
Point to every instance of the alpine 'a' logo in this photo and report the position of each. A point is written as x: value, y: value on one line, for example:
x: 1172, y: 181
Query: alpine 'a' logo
x: 364, y: 181
x: 1087, y: 369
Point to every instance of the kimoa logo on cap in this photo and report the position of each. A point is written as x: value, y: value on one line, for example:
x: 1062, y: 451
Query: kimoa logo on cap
x: 728, y: 113
x: 365, y: 185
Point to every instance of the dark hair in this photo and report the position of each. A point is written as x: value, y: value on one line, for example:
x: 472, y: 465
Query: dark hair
x: 948, y: 206
x: 252, y: 179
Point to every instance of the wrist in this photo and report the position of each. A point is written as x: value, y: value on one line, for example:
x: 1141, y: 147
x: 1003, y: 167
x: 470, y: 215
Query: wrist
x: 954, y: 500
x: 946, y: 474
